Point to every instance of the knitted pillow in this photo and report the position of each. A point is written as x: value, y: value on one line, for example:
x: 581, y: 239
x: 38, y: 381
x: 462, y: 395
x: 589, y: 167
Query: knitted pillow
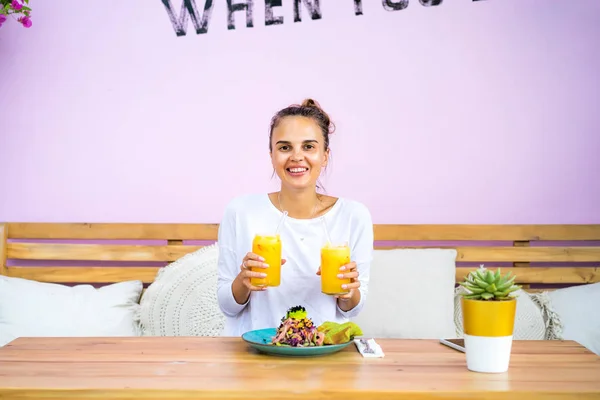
x: 182, y: 300
x: 529, y: 319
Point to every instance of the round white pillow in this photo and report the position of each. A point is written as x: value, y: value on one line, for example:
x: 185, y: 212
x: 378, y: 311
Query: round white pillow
x: 182, y: 300
x: 529, y: 319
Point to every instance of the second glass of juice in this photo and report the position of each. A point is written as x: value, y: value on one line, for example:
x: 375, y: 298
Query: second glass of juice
x: 334, y: 256
x: 268, y: 247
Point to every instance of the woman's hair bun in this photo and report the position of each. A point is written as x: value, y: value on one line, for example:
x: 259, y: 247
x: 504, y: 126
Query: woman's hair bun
x: 310, y: 103
x: 325, y: 121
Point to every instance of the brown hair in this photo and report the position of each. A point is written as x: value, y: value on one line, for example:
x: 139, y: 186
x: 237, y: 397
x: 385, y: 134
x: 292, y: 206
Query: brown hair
x: 310, y: 109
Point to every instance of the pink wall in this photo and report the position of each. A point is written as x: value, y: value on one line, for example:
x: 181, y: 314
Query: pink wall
x: 468, y: 112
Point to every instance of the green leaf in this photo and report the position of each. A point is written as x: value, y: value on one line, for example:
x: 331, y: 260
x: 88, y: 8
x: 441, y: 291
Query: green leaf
x: 489, y: 277
x: 481, y: 283
x: 487, y: 296
x: 500, y: 282
x: 507, y: 284
x: 475, y: 290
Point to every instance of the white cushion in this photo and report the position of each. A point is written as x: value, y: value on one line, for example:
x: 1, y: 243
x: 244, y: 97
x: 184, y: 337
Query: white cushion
x: 36, y: 309
x: 182, y: 300
x: 399, y: 305
x: 529, y: 320
x: 578, y: 311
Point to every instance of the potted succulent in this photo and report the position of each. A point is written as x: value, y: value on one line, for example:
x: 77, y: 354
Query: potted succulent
x: 488, y: 307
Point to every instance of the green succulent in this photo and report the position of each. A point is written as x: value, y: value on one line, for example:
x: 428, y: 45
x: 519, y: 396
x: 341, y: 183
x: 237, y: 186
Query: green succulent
x: 484, y: 284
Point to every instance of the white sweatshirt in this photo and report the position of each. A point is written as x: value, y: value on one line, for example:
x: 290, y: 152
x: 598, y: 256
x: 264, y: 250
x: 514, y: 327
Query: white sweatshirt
x: 347, y: 221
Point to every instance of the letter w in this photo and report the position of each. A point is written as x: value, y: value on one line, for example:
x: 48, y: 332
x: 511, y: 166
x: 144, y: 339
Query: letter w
x: 188, y: 7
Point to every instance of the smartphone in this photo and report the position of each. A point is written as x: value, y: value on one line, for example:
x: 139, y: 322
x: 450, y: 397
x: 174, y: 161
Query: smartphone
x: 456, y: 344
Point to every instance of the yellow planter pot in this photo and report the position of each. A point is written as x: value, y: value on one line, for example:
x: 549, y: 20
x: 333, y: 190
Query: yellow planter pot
x: 488, y: 333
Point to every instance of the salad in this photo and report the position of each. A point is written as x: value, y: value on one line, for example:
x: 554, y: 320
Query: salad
x: 297, y: 330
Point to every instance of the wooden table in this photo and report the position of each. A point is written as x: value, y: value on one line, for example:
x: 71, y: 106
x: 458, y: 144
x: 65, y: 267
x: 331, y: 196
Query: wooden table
x: 226, y: 368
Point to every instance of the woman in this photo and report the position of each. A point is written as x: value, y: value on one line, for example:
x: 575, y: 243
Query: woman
x: 299, y: 149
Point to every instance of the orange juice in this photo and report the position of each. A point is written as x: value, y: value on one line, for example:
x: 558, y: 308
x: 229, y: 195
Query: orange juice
x: 332, y: 258
x: 268, y: 247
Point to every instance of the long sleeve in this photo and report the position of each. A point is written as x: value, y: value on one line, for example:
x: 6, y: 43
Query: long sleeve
x: 361, y: 248
x: 228, y: 264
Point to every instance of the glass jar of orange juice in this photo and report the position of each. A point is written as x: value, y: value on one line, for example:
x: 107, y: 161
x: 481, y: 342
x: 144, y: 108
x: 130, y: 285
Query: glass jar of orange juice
x: 332, y: 258
x: 268, y: 247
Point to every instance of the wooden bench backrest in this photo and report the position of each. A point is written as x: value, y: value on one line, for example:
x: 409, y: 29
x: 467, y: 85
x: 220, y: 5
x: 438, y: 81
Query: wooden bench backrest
x: 54, y: 252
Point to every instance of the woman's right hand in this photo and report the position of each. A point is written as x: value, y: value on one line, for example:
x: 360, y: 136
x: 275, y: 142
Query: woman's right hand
x: 252, y: 260
x: 241, y: 285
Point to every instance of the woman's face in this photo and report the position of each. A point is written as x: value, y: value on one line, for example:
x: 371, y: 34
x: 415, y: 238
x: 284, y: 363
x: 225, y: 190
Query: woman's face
x: 298, y: 153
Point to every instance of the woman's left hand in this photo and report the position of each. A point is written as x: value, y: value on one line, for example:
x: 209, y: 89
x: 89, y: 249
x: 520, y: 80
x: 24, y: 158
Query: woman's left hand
x: 348, y: 271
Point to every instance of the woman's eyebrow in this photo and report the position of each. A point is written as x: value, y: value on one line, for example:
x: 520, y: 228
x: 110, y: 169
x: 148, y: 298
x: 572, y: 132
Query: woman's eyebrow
x: 304, y: 141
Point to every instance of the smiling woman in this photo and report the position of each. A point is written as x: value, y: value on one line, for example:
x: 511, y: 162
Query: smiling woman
x: 299, y: 145
x: 287, y: 262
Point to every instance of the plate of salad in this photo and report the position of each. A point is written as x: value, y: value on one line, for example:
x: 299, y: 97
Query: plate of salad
x: 298, y: 336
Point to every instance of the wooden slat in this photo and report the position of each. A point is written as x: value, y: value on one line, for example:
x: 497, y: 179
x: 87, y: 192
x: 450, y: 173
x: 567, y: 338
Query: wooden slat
x: 561, y: 275
x: 84, y: 274
x: 567, y: 275
x: 114, y: 231
x: 531, y: 254
x: 522, y: 243
x: 96, y: 252
x: 539, y: 290
x: 151, y: 231
x: 44, y: 251
x: 486, y: 232
x: 3, y: 250
x: 521, y: 254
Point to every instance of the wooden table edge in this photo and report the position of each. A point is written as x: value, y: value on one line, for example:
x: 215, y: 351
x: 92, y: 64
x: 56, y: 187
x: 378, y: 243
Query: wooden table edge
x: 153, y: 394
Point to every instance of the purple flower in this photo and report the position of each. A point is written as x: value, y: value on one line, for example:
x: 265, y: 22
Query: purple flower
x: 16, y: 5
x: 26, y: 21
